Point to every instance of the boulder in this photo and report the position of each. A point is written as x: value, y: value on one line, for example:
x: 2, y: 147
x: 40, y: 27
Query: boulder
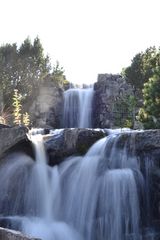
x: 10, y: 136
x: 70, y: 142
x: 108, y: 91
x: 8, y: 234
x: 47, y: 108
x: 141, y: 140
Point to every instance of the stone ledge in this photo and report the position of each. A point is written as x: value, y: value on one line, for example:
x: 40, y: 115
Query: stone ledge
x: 11, y: 136
x: 8, y: 234
x: 74, y: 141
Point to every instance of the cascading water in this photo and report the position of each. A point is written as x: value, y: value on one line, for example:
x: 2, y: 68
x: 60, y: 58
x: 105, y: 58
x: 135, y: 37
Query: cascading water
x: 95, y: 197
x: 78, y: 108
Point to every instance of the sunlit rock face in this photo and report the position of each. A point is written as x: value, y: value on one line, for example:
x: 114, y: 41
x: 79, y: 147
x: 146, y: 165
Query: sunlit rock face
x: 46, y: 110
x: 109, y: 89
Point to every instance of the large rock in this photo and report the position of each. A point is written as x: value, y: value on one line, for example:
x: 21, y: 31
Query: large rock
x: 109, y: 90
x: 71, y: 142
x: 8, y: 234
x: 46, y: 109
x: 10, y: 136
x: 140, y: 140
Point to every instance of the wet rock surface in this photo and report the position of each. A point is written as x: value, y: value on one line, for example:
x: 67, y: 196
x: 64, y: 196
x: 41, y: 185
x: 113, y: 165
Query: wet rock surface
x: 145, y: 146
x: 71, y: 142
x: 140, y: 140
x: 8, y: 234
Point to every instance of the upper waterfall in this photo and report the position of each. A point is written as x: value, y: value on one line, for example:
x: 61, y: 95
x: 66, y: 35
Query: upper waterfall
x: 78, y: 108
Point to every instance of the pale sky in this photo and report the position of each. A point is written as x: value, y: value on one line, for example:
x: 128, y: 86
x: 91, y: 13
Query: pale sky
x: 87, y: 37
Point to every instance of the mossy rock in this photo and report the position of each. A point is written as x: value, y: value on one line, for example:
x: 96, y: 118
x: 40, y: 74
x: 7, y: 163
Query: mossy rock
x: 86, y: 139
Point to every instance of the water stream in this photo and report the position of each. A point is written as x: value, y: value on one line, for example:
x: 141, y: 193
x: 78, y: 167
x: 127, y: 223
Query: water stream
x: 95, y: 197
x: 78, y: 108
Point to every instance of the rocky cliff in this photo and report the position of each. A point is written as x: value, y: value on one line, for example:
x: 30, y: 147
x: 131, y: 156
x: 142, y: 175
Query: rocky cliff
x: 47, y: 108
x: 109, y: 90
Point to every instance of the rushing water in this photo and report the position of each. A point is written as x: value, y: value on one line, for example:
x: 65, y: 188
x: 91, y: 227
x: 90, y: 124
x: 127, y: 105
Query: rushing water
x: 78, y: 108
x: 95, y: 197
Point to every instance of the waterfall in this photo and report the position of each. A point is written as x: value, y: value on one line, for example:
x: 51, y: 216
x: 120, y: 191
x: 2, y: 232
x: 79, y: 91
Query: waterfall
x: 78, y: 108
x: 94, y: 197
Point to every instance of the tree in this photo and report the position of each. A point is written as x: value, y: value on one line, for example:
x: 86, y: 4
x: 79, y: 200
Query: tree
x: 33, y: 66
x: 134, y: 74
x: 142, y: 68
x: 58, y: 73
x: 23, y: 69
x: 8, y: 73
x: 124, y: 111
x: 149, y: 115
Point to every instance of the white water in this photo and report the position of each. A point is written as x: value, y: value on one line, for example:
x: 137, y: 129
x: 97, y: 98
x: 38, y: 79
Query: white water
x: 78, y: 108
x: 85, y: 198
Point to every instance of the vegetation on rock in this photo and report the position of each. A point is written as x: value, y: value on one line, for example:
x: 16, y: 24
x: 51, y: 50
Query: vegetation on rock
x: 24, y: 68
x: 144, y: 76
x: 149, y: 114
x: 142, y: 68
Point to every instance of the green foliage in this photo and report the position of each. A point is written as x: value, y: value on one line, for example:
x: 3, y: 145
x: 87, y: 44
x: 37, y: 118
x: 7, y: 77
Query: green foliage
x: 149, y: 115
x: 19, y: 118
x: 144, y: 76
x: 17, y: 107
x: 128, y: 123
x: 142, y: 68
x: 24, y: 68
x: 26, y: 119
x: 124, y: 111
x: 58, y: 74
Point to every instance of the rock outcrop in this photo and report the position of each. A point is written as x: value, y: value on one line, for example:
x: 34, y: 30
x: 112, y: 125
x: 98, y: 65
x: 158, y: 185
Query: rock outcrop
x: 109, y: 90
x: 8, y: 234
x: 70, y: 142
x: 141, y: 140
x: 10, y: 136
x: 144, y: 147
x: 46, y: 109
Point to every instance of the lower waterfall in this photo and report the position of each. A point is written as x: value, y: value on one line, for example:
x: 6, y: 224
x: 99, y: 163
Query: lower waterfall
x: 95, y: 197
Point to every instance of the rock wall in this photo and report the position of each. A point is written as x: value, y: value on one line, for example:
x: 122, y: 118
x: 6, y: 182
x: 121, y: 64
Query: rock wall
x: 70, y: 142
x: 46, y: 109
x: 109, y: 89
